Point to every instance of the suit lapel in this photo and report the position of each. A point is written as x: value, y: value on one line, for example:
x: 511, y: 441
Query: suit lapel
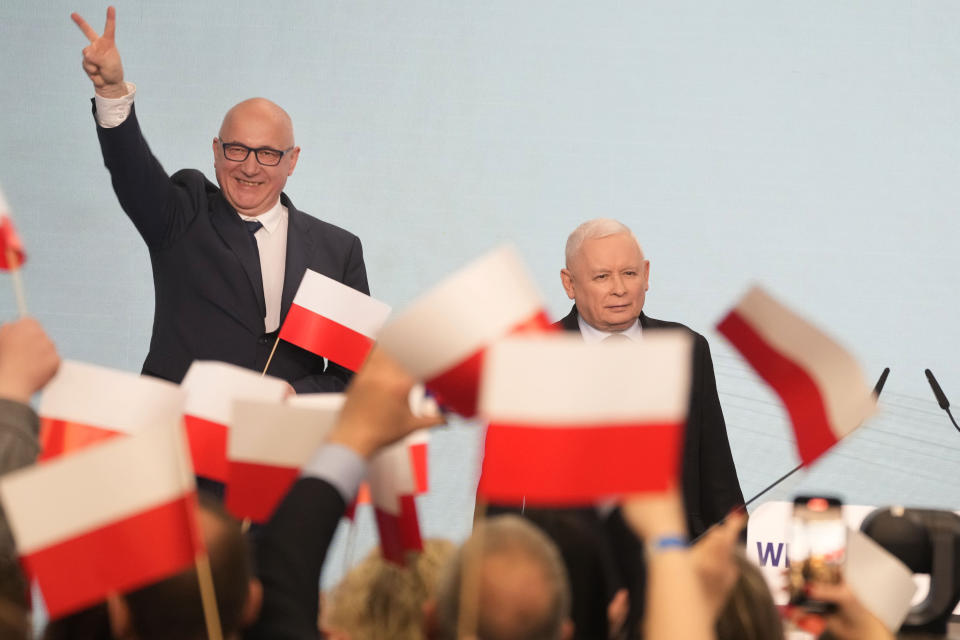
x: 299, y: 247
x: 230, y: 228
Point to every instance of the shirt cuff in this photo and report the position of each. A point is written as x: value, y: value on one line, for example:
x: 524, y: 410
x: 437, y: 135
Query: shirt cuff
x: 112, y: 112
x: 340, y: 466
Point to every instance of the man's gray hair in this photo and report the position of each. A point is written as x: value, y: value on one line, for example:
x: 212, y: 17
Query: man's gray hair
x: 507, y: 534
x: 596, y: 228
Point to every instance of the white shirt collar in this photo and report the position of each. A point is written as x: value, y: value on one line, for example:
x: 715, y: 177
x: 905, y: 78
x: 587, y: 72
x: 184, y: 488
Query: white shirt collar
x: 592, y: 334
x: 269, y: 219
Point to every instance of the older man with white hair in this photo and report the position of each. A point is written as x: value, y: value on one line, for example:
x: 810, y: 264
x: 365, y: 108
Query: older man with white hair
x: 607, y: 277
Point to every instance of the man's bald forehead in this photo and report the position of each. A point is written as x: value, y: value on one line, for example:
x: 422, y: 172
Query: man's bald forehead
x: 260, y: 108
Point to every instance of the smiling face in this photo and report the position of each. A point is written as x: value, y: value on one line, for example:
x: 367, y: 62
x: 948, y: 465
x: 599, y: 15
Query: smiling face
x: 250, y: 187
x: 608, y: 280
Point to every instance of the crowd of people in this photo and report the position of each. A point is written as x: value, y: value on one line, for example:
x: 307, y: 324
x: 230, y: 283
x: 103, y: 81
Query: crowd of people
x: 538, y: 576
x: 227, y: 259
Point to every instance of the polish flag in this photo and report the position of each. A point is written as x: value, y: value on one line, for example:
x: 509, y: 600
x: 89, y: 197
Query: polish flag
x: 85, y: 404
x: 212, y: 387
x: 818, y: 381
x: 268, y: 445
x: 393, y: 485
x: 572, y: 423
x: 12, y: 255
x: 332, y: 320
x: 441, y: 338
x: 112, y: 518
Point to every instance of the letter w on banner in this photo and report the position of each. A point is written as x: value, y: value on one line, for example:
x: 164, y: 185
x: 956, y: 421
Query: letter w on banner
x: 442, y: 337
x: 86, y: 404
x: 573, y: 423
x: 334, y: 321
x: 111, y: 518
x: 818, y: 381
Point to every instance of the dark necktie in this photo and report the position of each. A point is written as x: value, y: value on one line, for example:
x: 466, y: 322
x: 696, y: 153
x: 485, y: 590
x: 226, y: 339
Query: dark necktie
x: 252, y: 227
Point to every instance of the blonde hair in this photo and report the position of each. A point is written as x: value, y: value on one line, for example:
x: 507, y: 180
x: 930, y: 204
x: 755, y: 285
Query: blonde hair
x: 379, y: 599
x: 750, y: 612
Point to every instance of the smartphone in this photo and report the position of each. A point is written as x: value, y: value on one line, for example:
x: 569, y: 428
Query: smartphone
x: 817, y: 547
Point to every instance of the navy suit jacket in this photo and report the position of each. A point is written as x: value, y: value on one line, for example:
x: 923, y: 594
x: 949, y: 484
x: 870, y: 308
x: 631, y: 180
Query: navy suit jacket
x: 207, y: 283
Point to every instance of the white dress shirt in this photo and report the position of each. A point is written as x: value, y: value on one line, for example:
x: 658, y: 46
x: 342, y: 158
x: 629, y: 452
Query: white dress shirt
x: 592, y: 334
x: 271, y: 239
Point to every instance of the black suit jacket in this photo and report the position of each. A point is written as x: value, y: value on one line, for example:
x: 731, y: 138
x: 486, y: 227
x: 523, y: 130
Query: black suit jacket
x: 206, y: 274
x: 708, y: 476
x: 290, y: 551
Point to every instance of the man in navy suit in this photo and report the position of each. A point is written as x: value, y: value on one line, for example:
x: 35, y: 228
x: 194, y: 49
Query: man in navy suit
x: 227, y: 258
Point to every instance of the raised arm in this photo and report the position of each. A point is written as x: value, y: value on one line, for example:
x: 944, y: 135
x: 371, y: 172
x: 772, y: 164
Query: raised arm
x: 101, y: 58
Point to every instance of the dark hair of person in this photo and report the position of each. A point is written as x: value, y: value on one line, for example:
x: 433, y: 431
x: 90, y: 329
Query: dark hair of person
x: 750, y: 612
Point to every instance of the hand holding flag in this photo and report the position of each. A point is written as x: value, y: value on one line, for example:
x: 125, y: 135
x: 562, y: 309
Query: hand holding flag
x: 818, y: 381
x: 28, y: 359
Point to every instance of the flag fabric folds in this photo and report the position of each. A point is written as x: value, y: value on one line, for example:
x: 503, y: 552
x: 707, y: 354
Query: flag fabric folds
x: 332, y: 320
x: 212, y: 387
x: 441, y: 338
x: 818, y: 381
x: 108, y: 519
x: 267, y: 446
x: 12, y: 255
x: 393, y: 485
x: 572, y: 423
x: 85, y: 404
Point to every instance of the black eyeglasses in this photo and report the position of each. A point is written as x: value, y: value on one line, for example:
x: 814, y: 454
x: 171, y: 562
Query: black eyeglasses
x: 236, y: 152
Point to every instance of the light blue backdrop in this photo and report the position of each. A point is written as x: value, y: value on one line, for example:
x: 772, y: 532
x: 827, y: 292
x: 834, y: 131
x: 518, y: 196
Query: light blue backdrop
x: 812, y: 146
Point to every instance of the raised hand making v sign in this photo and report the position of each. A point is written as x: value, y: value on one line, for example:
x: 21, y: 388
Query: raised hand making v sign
x: 101, y: 60
x: 227, y: 258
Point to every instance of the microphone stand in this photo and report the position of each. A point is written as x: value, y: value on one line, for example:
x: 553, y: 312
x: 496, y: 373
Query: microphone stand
x: 876, y: 394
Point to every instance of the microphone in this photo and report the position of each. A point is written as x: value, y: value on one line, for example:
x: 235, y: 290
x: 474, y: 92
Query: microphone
x: 882, y: 381
x: 940, y: 396
x: 937, y: 391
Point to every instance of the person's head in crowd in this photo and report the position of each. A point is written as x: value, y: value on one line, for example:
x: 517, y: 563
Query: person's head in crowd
x: 380, y: 599
x: 606, y: 274
x: 524, y: 593
x: 749, y: 612
x: 254, y: 155
x: 589, y: 560
x: 172, y: 608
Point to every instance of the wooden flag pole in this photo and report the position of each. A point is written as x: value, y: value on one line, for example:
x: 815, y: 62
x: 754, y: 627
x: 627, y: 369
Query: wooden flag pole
x: 468, y: 620
x: 208, y: 597
x: 17, y: 281
x: 272, y: 351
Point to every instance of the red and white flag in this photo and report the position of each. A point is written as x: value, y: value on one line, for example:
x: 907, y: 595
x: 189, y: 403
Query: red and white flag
x: 441, y: 338
x: 212, y: 387
x: 112, y: 518
x: 332, y: 320
x: 573, y: 423
x: 85, y: 404
x: 12, y: 255
x: 268, y: 445
x: 818, y: 381
x: 393, y: 485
